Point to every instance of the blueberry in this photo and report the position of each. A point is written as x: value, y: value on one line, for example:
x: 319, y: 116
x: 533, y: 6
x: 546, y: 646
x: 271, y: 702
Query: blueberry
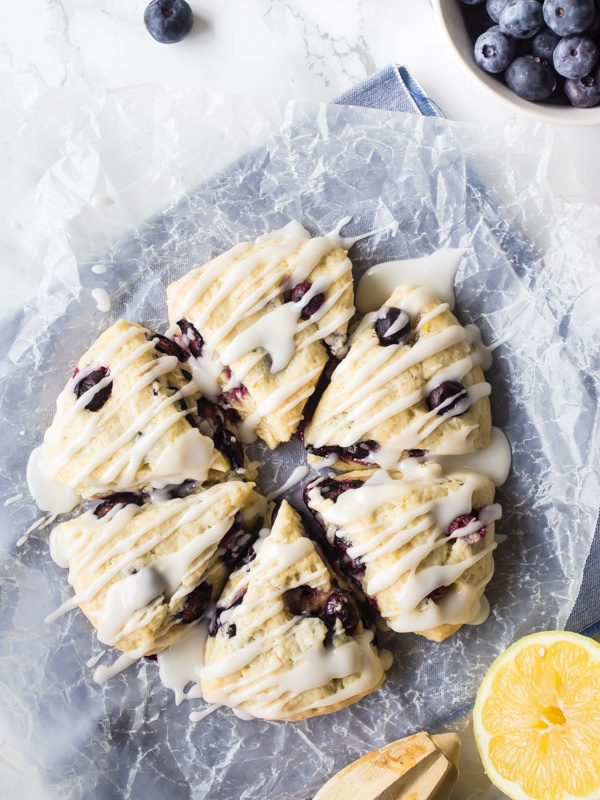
x: 350, y: 566
x: 447, y: 398
x: 190, y: 339
x: 237, y: 394
x: 90, y: 380
x: 543, y: 44
x: 461, y: 522
x: 472, y: 2
x: 230, y: 446
x: 214, y: 622
x: 341, y: 605
x: 392, y: 326
x: 211, y: 413
x: 566, y: 17
x: 575, y: 57
x: 313, y: 305
x: 359, y: 451
x: 120, y: 498
x: 237, y: 546
x: 494, y: 51
x: 531, y: 77
x: 521, y: 19
x: 195, y: 604
x: 438, y: 593
x: 174, y: 491
x: 303, y: 601
x: 169, y: 348
x: 331, y: 489
x: 583, y: 93
x: 495, y: 8
x: 168, y: 21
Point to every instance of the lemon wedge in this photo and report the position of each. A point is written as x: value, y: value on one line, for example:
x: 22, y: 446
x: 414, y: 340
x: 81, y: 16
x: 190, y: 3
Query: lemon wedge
x: 537, y: 718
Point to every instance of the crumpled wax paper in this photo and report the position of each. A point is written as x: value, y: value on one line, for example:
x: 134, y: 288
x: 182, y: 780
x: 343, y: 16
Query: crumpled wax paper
x: 151, y: 183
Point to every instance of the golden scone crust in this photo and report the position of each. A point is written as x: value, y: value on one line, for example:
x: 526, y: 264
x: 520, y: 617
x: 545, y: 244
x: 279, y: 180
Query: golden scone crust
x: 271, y: 643
x: 140, y: 432
x: 405, y: 557
x: 272, y: 402
x: 141, y: 573
x: 378, y: 394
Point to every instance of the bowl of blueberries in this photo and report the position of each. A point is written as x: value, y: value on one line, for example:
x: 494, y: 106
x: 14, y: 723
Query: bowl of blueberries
x: 542, y: 57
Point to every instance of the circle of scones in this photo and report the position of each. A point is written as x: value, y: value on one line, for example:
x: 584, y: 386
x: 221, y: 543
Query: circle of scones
x: 276, y: 664
x: 149, y: 424
x: 375, y: 410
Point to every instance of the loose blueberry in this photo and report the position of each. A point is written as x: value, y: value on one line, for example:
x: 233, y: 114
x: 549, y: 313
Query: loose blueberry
x: 567, y: 17
x: 575, y: 57
x: 341, y: 605
x: 169, y: 348
x: 120, y: 498
x: 195, y: 604
x: 168, y: 21
x: 583, y: 93
x: 521, y: 19
x: 190, y: 339
x: 392, y: 326
x: 462, y: 522
x: 544, y: 43
x: 495, y: 8
x: 530, y: 77
x: 447, y: 398
x: 494, y: 51
x: 90, y: 380
x: 230, y: 446
x: 313, y: 305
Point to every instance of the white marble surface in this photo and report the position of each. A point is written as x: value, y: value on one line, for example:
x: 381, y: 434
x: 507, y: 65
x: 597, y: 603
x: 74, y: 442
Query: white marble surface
x: 309, y: 49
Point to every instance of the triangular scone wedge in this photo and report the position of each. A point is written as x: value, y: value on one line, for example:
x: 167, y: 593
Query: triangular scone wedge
x: 279, y: 648
x: 411, y: 381
x: 128, y: 419
x: 420, y: 545
x: 143, y: 572
x: 271, y: 312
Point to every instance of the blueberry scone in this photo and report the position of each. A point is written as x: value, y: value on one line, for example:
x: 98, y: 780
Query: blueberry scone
x: 286, y: 642
x: 419, y: 544
x: 131, y: 417
x: 144, y: 571
x: 270, y: 313
x: 411, y: 382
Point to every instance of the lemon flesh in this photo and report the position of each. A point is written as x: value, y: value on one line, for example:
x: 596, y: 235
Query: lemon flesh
x: 537, y: 718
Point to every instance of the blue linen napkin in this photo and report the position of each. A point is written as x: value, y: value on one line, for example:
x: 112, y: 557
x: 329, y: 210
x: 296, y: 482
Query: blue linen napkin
x: 394, y: 89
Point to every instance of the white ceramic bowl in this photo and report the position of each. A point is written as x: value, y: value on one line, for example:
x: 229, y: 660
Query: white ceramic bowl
x: 449, y: 16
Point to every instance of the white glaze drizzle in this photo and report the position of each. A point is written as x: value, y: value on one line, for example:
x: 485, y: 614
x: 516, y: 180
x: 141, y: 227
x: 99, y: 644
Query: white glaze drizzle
x: 436, y: 272
x: 14, y: 499
x: 414, y: 612
x: 368, y: 385
x: 297, y: 475
x: 493, y: 461
x: 271, y: 690
x: 103, y: 674
x: 179, y: 665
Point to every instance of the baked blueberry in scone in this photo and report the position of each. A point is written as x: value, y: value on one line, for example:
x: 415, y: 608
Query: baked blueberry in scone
x: 419, y: 544
x: 271, y: 313
x: 410, y: 384
x: 130, y: 417
x: 143, y: 571
x: 286, y: 641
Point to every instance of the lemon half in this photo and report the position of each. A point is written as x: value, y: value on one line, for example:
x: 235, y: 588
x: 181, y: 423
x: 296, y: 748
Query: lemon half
x: 537, y: 718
